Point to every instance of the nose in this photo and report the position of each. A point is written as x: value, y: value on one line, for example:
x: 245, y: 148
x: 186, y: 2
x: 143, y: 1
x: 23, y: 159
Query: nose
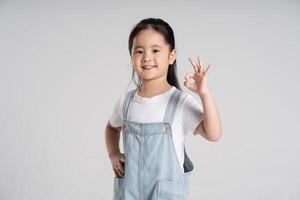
x: 147, y: 58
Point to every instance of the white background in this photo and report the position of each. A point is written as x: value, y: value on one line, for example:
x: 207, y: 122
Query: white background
x: 64, y: 64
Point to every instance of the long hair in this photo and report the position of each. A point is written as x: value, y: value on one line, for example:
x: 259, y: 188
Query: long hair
x: 166, y: 31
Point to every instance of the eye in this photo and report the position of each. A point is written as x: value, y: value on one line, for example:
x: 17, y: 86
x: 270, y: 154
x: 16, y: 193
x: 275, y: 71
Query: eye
x: 155, y: 50
x: 139, y: 52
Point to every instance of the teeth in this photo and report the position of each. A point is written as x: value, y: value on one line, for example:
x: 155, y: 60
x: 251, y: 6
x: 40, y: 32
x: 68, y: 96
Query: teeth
x: 148, y: 67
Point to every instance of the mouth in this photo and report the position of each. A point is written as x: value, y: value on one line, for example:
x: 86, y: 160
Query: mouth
x: 148, y: 67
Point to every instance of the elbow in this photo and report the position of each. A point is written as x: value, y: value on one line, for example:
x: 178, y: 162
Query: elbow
x: 215, y: 134
x: 211, y: 135
x: 214, y: 137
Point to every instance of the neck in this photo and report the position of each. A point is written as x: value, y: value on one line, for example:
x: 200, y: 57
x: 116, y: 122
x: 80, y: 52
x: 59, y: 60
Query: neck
x: 152, y: 88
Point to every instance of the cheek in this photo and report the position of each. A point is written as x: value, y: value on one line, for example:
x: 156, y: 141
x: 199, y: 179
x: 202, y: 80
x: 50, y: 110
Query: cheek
x: 160, y: 58
x: 136, y: 58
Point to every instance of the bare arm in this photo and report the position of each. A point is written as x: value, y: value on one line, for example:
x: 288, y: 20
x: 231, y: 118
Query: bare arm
x: 112, y: 140
x: 210, y: 128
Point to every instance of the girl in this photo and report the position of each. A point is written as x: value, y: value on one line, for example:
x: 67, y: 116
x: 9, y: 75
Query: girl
x: 155, y: 118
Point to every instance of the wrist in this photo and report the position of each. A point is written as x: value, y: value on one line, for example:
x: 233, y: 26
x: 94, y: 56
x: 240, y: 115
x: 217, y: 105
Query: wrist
x: 110, y: 155
x: 204, y: 95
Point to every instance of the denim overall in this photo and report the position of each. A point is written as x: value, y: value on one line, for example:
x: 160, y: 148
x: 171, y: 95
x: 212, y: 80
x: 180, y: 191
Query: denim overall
x: 152, y: 169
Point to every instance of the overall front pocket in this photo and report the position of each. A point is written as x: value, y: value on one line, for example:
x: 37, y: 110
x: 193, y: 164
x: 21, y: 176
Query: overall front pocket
x: 118, y: 188
x: 169, y: 190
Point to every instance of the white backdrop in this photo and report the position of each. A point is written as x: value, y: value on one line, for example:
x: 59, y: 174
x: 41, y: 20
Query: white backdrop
x: 64, y: 64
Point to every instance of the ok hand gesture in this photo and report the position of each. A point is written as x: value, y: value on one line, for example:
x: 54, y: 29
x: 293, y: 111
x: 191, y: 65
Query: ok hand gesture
x: 197, y: 81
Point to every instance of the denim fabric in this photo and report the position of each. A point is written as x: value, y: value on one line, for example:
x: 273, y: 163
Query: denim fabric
x: 152, y: 169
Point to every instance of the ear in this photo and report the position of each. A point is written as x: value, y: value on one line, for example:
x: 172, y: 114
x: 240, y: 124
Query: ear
x: 172, y: 56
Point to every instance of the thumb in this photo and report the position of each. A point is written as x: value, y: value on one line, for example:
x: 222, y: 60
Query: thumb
x: 187, y: 84
x: 189, y: 76
x: 122, y: 159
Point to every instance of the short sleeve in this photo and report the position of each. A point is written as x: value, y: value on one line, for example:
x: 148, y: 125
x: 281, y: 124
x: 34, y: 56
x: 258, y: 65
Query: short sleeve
x: 116, y: 118
x: 192, y: 113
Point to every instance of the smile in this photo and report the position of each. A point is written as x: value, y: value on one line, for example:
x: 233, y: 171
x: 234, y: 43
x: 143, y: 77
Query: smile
x: 148, y: 67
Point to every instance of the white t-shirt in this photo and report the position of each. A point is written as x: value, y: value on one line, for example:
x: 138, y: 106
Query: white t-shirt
x: 188, y: 115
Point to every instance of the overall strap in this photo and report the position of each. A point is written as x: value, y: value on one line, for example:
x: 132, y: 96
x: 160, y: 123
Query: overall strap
x: 171, y: 107
x: 129, y: 96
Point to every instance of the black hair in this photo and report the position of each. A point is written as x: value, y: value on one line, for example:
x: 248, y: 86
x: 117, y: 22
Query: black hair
x: 166, y: 31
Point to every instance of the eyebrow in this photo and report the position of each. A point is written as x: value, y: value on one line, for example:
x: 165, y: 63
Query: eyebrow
x: 155, y: 45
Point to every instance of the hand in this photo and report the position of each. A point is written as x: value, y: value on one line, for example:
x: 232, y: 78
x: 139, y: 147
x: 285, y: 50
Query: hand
x: 118, y: 164
x: 199, y: 77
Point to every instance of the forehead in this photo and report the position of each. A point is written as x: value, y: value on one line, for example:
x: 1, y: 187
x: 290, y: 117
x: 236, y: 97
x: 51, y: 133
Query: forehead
x: 149, y: 37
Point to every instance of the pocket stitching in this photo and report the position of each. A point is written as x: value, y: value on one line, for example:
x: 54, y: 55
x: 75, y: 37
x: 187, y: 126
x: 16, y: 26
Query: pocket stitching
x: 174, y: 193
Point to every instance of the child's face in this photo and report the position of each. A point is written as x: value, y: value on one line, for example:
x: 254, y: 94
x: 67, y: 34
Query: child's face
x: 151, y: 55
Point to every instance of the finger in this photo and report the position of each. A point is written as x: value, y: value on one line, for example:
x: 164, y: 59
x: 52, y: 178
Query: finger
x: 189, y: 76
x: 122, y: 159
x: 198, y: 66
x: 189, y: 80
x: 118, y: 171
x: 208, y: 69
x: 120, y: 168
x: 117, y: 168
x: 200, y: 63
x: 187, y: 84
x: 190, y: 86
x: 194, y: 65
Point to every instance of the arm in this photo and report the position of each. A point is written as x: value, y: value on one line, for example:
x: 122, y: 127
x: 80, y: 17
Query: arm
x: 112, y: 139
x: 210, y: 128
